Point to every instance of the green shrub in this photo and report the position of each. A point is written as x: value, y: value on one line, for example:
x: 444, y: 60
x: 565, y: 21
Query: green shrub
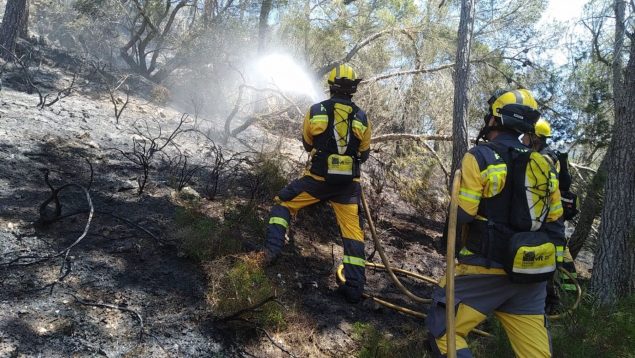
x: 236, y: 284
x: 597, y: 331
x: 267, y: 177
x: 203, y: 238
x: 420, y: 181
x: 245, y: 218
x: 377, y: 344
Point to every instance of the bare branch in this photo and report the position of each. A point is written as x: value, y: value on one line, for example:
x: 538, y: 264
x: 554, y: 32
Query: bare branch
x: 232, y: 114
x: 416, y: 137
x: 578, y: 166
x: 408, y: 72
x: 247, y: 309
x: 353, y: 51
x: 39, y: 259
x: 27, y: 75
x: 594, y: 43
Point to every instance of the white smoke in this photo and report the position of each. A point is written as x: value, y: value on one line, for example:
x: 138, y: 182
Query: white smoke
x: 283, y: 73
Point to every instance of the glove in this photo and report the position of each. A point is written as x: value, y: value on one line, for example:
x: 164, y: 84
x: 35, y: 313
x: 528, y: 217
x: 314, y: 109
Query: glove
x: 562, y: 156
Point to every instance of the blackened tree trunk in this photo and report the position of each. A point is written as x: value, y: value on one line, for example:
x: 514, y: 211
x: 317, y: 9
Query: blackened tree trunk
x: 461, y: 78
x: 24, y: 27
x: 13, y: 16
x: 265, y: 9
x: 614, y: 263
x: 591, y: 208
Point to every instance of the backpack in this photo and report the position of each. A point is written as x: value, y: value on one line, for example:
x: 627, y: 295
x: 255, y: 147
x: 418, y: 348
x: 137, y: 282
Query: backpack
x: 527, y: 253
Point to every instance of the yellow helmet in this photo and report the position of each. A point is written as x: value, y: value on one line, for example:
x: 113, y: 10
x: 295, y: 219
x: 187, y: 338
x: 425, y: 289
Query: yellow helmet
x: 543, y: 129
x: 343, y: 78
x: 502, y: 98
x: 517, y: 109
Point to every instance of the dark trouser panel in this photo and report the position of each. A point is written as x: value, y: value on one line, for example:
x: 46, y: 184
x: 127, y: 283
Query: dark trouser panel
x: 519, y: 308
x: 279, y: 219
x: 345, y: 201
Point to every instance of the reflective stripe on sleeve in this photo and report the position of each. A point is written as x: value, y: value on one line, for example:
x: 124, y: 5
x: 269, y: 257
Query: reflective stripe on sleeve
x: 320, y: 118
x: 352, y: 260
x: 470, y: 195
x: 359, y: 125
x: 279, y: 221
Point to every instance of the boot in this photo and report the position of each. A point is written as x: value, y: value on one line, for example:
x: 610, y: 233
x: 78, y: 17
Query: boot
x: 351, y: 294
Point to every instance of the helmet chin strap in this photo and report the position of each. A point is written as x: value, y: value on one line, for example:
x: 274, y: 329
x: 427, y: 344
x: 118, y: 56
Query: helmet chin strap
x: 483, y: 133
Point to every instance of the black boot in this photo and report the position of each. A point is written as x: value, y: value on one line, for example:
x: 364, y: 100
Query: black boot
x: 351, y: 294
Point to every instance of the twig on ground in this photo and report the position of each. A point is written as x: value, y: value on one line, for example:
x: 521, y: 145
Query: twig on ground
x: 276, y: 344
x: 129, y: 222
x: 39, y: 259
x: 116, y: 307
x: 153, y: 236
x: 237, y: 314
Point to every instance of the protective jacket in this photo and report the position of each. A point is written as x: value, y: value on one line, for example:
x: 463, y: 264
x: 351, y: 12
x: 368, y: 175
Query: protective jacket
x: 336, y: 126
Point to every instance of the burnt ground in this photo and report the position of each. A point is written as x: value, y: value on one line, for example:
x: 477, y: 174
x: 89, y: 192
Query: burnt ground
x: 120, y: 264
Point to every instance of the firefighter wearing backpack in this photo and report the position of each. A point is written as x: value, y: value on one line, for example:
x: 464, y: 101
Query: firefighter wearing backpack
x: 510, y: 201
x: 570, y: 206
x: 337, y: 134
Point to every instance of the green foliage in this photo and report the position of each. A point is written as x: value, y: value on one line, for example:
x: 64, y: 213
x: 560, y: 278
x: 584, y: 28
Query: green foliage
x: 497, y: 346
x: 267, y: 177
x: 597, y: 331
x: 419, y: 179
x: 203, y: 238
x: 377, y: 344
x: 241, y: 285
x: 244, y: 218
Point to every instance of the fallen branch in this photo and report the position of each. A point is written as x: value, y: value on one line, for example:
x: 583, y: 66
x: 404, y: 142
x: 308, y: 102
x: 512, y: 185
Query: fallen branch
x: 67, y: 250
x: 116, y: 307
x: 274, y: 342
x: 129, y: 222
x: 237, y: 314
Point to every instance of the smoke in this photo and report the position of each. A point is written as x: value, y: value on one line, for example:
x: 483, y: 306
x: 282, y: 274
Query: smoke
x: 283, y: 73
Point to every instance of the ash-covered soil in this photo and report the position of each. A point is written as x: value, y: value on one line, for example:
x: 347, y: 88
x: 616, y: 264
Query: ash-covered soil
x: 156, y: 296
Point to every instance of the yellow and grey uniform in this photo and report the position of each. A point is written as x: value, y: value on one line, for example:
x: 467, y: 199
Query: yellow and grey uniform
x: 482, y: 286
x: 334, y: 126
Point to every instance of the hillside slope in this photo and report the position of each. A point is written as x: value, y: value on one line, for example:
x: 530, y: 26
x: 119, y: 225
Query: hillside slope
x: 132, y: 260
